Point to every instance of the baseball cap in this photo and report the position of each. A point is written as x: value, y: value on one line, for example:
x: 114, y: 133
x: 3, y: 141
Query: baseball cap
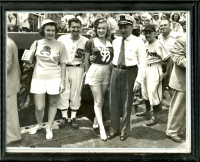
x: 149, y: 28
x: 125, y: 19
x: 48, y: 21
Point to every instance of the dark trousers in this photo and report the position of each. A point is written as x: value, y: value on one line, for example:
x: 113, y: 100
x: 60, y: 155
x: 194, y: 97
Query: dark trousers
x: 121, y: 98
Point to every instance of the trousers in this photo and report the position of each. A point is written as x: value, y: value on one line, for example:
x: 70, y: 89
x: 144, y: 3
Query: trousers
x: 72, y: 94
x: 176, y: 118
x: 121, y: 98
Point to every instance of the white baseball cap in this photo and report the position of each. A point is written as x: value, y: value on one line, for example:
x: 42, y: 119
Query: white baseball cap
x: 48, y: 21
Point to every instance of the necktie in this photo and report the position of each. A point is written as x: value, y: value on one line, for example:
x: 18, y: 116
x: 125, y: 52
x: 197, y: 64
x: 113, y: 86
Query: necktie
x: 121, y: 59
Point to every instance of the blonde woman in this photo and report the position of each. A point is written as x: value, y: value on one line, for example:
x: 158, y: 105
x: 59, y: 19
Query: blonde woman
x: 98, y: 74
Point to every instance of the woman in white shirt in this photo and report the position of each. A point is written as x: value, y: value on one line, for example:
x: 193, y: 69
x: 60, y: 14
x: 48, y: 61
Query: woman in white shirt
x: 48, y: 76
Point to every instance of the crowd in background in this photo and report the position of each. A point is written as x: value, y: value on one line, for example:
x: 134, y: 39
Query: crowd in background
x: 31, y: 22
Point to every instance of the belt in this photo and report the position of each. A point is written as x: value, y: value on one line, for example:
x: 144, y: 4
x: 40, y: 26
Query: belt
x: 78, y: 65
x: 154, y: 64
x: 124, y: 67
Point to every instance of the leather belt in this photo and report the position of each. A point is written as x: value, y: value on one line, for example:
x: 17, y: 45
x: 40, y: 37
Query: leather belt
x: 78, y: 65
x: 124, y: 67
x: 149, y: 65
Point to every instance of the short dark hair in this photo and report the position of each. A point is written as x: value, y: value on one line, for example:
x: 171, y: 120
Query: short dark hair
x: 41, y: 30
x: 74, y: 20
x: 165, y: 20
x: 97, y: 22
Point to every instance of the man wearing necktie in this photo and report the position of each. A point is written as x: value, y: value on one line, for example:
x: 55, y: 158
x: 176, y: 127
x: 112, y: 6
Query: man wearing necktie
x: 128, y: 71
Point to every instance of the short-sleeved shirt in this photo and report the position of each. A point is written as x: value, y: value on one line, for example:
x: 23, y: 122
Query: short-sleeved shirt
x: 103, y: 54
x: 75, y: 48
x: 156, y: 52
x: 48, y: 56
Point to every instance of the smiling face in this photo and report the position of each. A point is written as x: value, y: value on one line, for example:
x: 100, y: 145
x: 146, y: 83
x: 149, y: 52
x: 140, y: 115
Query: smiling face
x: 176, y: 17
x: 102, y: 29
x: 49, y: 32
x: 75, y: 28
x: 126, y: 30
x: 164, y: 26
x: 150, y: 36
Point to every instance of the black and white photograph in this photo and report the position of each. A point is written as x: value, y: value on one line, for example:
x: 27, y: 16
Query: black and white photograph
x: 98, y: 81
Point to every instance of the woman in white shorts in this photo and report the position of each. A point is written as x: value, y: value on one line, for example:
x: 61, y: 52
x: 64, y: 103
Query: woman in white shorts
x: 98, y: 74
x: 48, y: 76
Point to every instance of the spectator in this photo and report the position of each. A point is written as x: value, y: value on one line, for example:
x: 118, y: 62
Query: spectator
x: 75, y: 46
x: 165, y: 16
x: 156, y: 20
x: 33, y: 21
x: 137, y: 18
x: 47, y: 72
x: 137, y: 33
x: 11, y: 21
x: 13, y: 82
x: 22, y: 21
x: 83, y: 17
x: 98, y: 74
x: 112, y: 23
x: 176, y: 26
x: 63, y: 26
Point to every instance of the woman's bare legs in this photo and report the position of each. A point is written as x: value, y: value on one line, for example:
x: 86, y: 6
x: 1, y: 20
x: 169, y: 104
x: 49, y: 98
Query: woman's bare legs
x: 98, y: 94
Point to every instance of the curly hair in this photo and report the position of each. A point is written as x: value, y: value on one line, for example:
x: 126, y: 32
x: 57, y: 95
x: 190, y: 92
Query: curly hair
x: 97, y: 22
x: 41, y: 30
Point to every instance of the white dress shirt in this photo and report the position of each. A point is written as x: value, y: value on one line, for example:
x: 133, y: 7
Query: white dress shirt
x: 135, y: 54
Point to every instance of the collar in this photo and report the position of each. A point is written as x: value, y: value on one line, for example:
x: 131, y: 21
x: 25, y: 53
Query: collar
x: 171, y: 34
x: 128, y: 38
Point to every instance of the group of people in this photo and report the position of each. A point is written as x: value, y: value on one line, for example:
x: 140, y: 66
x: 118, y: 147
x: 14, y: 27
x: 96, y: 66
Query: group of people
x: 127, y: 65
x: 31, y: 22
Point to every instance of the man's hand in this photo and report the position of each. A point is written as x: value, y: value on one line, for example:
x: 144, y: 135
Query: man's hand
x: 137, y: 86
x: 62, y: 87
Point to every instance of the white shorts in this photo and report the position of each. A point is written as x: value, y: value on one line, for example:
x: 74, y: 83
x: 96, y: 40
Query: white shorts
x: 49, y: 86
x: 98, y: 74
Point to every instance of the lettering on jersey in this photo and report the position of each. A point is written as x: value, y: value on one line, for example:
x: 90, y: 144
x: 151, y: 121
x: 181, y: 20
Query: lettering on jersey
x: 79, y: 53
x: 46, y: 50
x: 105, y: 53
x: 152, y: 54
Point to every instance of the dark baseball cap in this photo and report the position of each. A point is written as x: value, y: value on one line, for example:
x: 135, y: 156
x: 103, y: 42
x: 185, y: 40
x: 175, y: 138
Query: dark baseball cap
x: 149, y: 28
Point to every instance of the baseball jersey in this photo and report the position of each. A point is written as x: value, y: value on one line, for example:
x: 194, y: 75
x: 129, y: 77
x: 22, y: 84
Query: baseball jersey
x: 75, y: 48
x: 103, y: 54
x: 48, y: 55
x: 156, y: 52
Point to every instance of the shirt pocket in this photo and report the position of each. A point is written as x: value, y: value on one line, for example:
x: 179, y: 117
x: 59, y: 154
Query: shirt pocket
x: 131, y: 53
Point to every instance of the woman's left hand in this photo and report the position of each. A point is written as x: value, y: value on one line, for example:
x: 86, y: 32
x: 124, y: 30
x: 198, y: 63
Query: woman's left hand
x: 62, y: 87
